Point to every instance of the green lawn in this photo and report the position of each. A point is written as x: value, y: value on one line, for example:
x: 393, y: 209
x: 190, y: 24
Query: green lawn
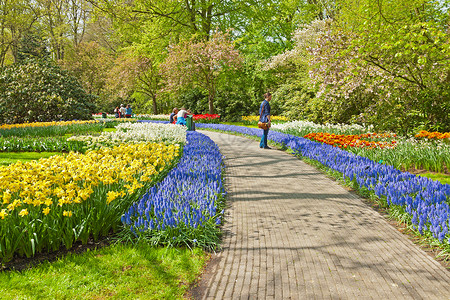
x: 443, y: 178
x: 116, y: 272
x: 7, y: 158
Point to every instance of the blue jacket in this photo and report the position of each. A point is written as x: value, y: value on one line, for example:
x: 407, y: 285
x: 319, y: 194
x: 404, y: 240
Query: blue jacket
x: 264, y: 117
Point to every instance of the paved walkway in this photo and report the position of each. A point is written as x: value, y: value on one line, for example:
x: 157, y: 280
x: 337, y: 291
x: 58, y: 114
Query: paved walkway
x: 292, y: 233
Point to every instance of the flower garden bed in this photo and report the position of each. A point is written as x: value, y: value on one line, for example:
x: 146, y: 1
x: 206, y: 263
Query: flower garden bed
x: 63, y: 199
x: 426, y: 151
x: 186, y: 207
x: 207, y: 118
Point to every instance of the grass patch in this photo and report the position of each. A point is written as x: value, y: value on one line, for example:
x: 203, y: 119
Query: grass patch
x: 117, y: 272
x: 239, y: 124
x: 443, y: 178
x: 109, y: 129
x: 7, y: 158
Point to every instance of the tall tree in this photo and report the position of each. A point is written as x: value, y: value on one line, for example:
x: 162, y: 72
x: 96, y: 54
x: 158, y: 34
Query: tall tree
x: 17, y: 17
x: 90, y: 63
x: 135, y: 73
x: 197, y: 17
x: 200, y: 63
x: 54, y: 19
x: 64, y: 23
x: 78, y: 16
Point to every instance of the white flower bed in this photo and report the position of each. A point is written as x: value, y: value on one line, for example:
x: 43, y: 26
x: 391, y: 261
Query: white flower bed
x: 308, y: 127
x: 136, y: 133
x: 153, y: 117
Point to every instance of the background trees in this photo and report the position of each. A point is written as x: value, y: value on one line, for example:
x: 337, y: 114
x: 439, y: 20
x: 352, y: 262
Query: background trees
x: 380, y: 62
x: 383, y: 62
x: 401, y: 61
x: 199, y: 64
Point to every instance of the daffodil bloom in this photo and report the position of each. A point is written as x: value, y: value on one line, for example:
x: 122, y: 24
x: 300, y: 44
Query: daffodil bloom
x: 3, y: 214
x: 23, y: 212
x: 6, y: 196
x: 44, y: 124
x: 46, y: 210
x: 67, y: 213
x: 110, y: 196
x: 13, y: 205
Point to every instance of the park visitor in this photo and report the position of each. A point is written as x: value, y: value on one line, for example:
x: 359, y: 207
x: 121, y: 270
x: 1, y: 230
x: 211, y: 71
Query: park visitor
x: 129, y: 111
x: 173, y: 116
x: 181, y: 116
x: 264, y: 118
x: 123, y: 111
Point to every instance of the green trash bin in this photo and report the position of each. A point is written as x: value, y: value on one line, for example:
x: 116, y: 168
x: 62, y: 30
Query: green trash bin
x: 104, y: 115
x: 190, y: 123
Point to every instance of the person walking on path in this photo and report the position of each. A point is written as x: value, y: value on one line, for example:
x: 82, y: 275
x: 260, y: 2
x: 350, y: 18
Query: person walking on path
x: 264, y: 116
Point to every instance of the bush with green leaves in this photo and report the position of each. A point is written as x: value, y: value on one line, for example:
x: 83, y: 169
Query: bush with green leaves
x: 39, y: 90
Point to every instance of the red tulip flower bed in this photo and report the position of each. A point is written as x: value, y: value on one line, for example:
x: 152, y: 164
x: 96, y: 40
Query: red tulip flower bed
x: 207, y: 118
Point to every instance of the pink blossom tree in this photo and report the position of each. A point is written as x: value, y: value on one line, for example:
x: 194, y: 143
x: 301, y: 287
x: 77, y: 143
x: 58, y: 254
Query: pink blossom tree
x: 135, y: 73
x: 200, y: 63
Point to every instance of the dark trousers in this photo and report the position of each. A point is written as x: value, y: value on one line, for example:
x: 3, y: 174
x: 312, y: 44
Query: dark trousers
x: 263, y: 142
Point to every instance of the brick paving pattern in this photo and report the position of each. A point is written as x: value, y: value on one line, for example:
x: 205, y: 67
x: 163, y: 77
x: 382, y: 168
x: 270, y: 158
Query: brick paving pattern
x: 293, y: 233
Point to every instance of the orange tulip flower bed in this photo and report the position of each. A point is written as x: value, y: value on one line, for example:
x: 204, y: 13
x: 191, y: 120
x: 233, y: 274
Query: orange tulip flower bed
x: 433, y: 135
x: 368, y: 140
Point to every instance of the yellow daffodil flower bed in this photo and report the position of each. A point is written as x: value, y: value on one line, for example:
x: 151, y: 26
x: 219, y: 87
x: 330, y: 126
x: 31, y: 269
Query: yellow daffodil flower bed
x: 62, y: 199
x: 45, y: 124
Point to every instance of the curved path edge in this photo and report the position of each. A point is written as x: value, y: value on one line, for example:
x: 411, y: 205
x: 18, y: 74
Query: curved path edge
x: 292, y: 233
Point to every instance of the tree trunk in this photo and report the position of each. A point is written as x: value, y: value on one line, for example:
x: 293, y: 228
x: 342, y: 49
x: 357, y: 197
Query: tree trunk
x: 211, y: 96
x: 155, y: 108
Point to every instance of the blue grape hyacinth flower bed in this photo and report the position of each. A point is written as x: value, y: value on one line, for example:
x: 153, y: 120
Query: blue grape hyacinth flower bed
x: 424, y: 202
x: 186, y: 208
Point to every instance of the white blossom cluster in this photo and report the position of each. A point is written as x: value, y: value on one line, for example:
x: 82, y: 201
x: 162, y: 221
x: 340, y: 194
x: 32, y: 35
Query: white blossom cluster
x: 136, y: 133
x: 305, y: 127
x: 152, y: 117
x: 305, y: 39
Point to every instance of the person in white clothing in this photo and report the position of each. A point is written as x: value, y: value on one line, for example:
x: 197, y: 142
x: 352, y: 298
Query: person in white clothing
x: 123, y: 111
x: 181, y: 116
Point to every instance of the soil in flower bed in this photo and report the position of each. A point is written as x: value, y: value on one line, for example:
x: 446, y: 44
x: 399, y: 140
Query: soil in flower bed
x: 445, y: 171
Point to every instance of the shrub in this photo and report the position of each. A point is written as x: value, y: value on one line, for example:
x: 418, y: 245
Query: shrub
x: 38, y: 90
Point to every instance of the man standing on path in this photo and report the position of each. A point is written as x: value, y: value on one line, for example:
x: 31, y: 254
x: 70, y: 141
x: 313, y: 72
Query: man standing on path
x: 264, y: 116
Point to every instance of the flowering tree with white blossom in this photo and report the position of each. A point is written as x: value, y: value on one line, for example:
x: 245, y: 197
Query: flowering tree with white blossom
x: 389, y: 61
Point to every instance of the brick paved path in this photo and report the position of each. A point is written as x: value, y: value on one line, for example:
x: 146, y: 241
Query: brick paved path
x: 292, y: 233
